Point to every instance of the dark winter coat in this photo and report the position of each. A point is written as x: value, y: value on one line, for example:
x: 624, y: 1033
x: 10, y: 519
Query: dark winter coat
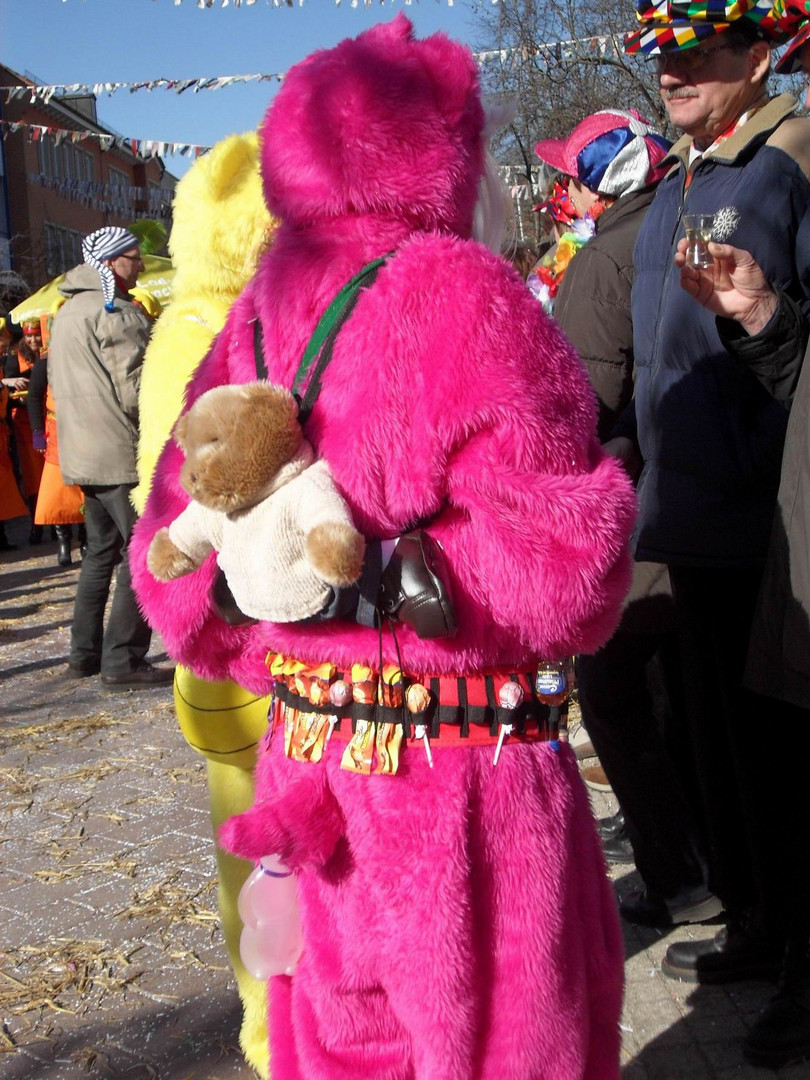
x: 593, y: 308
x: 593, y: 305
x: 710, y: 433
x: 779, y: 653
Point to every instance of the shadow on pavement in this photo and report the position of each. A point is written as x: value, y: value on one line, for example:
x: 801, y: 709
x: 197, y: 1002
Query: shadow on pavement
x: 198, y: 1038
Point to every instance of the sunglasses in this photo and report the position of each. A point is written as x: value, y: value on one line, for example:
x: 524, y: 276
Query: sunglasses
x: 688, y: 60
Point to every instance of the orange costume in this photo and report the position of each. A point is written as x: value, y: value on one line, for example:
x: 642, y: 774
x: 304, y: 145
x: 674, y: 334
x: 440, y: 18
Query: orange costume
x: 11, y: 502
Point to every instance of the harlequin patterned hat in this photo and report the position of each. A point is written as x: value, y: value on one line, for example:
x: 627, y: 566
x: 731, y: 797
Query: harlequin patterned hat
x: 613, y: 152
x: 671, y: 25
x: 794, y: 19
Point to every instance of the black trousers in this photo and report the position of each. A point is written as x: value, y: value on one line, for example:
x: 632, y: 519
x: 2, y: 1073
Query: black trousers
x: 109, y: 519
x: 639, y: 740
x: 747, y: 773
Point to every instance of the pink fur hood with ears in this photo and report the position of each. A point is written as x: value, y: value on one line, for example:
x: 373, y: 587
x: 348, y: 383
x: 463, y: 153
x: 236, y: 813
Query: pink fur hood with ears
x: 450, y: 395
x: 381, y: 124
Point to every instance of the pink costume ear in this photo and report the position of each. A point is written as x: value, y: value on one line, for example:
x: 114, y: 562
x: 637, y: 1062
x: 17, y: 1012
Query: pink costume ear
x: 302, y: 824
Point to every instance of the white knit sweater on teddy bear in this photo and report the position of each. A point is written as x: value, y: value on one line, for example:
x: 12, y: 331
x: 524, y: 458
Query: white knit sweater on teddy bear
x: 261, y: 550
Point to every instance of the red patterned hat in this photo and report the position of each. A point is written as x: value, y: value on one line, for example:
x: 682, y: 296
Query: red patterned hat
x: 794, y: 19
x: 672, y: 25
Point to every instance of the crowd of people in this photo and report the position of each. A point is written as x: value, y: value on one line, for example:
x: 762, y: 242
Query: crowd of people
x: 689, y: 666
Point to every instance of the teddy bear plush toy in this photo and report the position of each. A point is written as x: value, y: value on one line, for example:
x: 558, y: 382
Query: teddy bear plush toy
x: 282, y: 532
x: 456, y: 917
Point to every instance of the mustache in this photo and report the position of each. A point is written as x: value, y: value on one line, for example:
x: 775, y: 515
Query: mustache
x: 679, y: 92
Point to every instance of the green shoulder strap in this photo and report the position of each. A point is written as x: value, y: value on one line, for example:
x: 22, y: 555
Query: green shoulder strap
x: 307, y: 383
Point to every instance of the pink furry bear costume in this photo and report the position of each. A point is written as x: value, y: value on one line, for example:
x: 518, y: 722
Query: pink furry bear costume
x: 457, y: 920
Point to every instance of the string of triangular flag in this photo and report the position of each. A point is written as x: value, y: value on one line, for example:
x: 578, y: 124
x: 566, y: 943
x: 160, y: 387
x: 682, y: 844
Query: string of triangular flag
x: 551, y: 50
x: 216, y: 82
x: 299, y: 3
x: 145, y: 148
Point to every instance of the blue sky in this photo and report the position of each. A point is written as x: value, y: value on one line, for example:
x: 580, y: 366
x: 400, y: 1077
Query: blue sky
x: 90, y: 41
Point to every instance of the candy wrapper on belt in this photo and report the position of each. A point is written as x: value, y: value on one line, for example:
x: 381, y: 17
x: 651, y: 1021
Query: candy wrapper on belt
x: 359, y: 753
x: 389, y: 736
x: 311, y: 728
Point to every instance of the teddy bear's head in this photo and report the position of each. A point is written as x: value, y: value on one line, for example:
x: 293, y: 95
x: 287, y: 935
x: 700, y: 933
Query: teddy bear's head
x: 383, y: 124
x: 220, y: 221
x: 236, y: 439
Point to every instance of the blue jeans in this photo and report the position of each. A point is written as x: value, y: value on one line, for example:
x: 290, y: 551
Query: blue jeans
x: 122, y: 647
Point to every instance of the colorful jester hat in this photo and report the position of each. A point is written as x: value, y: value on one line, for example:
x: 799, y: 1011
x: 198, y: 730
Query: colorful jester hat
x: 794, y: 19
x: 671, y: 25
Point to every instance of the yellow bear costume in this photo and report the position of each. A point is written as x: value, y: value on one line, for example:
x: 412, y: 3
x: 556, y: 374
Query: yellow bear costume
x: 221, y: 226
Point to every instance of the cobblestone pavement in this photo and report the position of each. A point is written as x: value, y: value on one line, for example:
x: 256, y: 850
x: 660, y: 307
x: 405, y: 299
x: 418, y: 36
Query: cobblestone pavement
x: 111, y: 961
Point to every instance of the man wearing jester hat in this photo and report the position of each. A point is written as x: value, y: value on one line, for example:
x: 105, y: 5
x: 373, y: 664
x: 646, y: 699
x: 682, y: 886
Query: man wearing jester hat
x: 711, y: 437
x: 765, y: 329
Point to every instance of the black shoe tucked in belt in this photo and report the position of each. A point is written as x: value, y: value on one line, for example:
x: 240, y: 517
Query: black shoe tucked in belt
x: 413, y: 588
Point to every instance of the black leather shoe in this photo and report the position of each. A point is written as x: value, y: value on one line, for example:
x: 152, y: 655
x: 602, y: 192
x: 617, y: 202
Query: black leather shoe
x: 645, y: 908
x: 412, y: 590
x: 609, y: 827
x: 142, y: 678
x: 619, y: 849
x: 76, y: 671
x: 730, y: 956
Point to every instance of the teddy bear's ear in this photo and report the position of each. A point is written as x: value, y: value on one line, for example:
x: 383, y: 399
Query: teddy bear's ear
x: 180, y: 431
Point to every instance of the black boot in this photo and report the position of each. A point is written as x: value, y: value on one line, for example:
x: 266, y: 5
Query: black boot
x: 610, y: 827
x: 5, y: 545
x: 738, y: 952
x: 64, y: 534
x: 781, y: 1036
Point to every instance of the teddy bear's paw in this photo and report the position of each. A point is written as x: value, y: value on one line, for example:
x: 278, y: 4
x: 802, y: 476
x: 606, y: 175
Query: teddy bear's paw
x: 335, y: 552
x: 165, y: 561
x: 302, y: 825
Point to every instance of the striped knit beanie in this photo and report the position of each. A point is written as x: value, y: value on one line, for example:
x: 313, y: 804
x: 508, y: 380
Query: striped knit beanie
x: 104, y: 244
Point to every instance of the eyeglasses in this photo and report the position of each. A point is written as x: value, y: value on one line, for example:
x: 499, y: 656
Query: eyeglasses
x: 132, y: 258
x: 687, y: 60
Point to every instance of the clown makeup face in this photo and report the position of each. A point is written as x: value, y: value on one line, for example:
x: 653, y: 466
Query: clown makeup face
x: 706, y: 92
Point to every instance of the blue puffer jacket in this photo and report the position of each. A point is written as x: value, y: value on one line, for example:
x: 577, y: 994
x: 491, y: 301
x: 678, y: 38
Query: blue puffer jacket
x: 710, y: 435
